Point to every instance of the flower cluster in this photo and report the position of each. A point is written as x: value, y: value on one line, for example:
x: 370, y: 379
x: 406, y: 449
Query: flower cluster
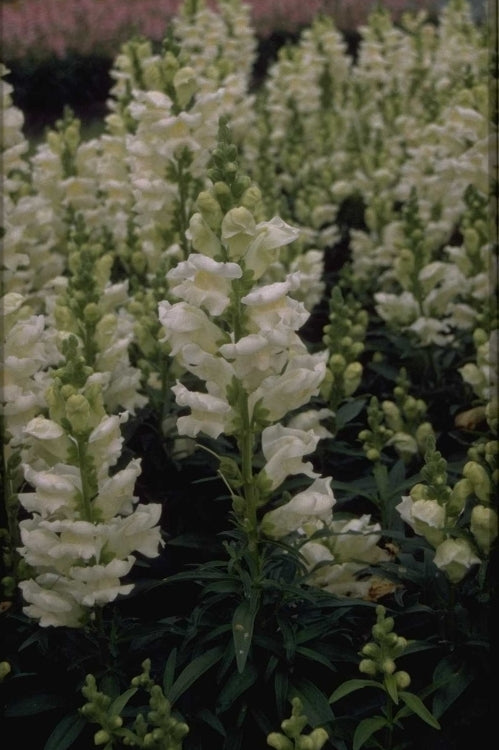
x: 83, y: 525
x: 459, y: 522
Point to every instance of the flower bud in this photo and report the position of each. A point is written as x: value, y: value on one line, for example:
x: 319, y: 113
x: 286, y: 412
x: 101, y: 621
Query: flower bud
x: 483, y: 525
x: 371, y: 650
x: 5, y: 668
x: 388, y: 666
x: 352, y: 377
x: 185, y: 85
x: 279, y: 741
x: 368, y: 666
x: 78, y: 413
x: 402, y: 680
x: 480, y: 480
x: 101, y: 737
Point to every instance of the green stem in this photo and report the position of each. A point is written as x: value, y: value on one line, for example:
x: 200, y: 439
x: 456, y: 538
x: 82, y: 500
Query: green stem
x: 87, y: 493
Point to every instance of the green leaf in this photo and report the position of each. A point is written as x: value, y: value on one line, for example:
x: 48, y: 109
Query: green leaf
x: 350, y: 686
x: 120, y: 702
x: 35, y: 704
x: 391, y: 687
x: 243, y: 621
x: 209, y: 718
x: 236, y: 685
x: 366, y: 729
x: 348, y: 411
x: 418, y: 707
x: 452, y: 678
x: 169, y: 672
x: 315, y: 704
x: 66, y: 732
x: 193, y: 671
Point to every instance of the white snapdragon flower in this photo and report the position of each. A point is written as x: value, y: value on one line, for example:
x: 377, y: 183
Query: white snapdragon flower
x: 270, y: 306
x: 202, y: 238
x: 306, y: 512
x: 209, y: 414
x: 184, y: 325
x: 137, y: 532
x: 256, y: 356
x: 97, y: 585
x: 356, y: 539
x: 283, y: 449
x: 339, y: 578
x: 56, y: 490
x: 455, y: 557
x: 426, y: 517
x: 301, y: 379
x: 50, y: 601
x: 311, y: 420
x: 204, y: 282
x: 49, y: 442
x: 116, y: 492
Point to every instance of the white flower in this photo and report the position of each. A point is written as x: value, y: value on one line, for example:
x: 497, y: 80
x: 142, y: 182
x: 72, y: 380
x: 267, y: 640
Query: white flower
x: 137, y: 532
x: 116, y: 493
x: 185, y: 324
x: 311, y: 420
x: 57, y: 490
x: 237, y: 231
x: 100, y: 584
x: 270, y: 307
x: 204, y: 282
x: 50, y: 601
x: 270, y: 236
x: 209, y: 414
x: 306, y: 512
x: 356, y: 540
x: 203, y: 239
x: 280, y: 394
x: 256, y: 356
x: 425, y: 517
x: 455, y: 557
x: 283, y: 449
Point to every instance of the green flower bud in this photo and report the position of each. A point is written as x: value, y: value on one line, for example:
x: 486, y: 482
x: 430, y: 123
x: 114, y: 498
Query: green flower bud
x: 251, y: 198
x: 352, y: 377
x: 402, y: 680
x: 185, y: 84
x: 388, y: 666
x: 138, y: 261
x: 78, y: 413
x: 279, y: 741
x: 373, y: 454
x: 483, y: 525
x: 337, y: 363
x: 5, y: 668
x: 480, y: 480
x: 101, y: 737
x: 372, y: 650
x: 115, y: 722
x: 91, y: 313
x: 368, y: 666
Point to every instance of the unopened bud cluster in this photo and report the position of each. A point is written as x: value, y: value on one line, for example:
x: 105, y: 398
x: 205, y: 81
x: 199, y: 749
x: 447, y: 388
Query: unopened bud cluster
x: 344, y: 339
x: 158, y: 730
x: 292, y: 737
x: 379, y: 654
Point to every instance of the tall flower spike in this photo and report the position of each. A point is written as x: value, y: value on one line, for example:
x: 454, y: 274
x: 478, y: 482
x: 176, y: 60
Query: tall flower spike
x: 84, y: 527
x: 239, y: 337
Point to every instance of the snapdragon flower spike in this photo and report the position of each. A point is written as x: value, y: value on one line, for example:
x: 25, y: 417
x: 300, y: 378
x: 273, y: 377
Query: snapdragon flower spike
x: 435, y: 511
x: 84, y: 528
x: 239, y: 336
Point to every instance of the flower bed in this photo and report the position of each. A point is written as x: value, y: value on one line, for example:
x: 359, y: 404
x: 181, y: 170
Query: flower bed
x: 250, y: 395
